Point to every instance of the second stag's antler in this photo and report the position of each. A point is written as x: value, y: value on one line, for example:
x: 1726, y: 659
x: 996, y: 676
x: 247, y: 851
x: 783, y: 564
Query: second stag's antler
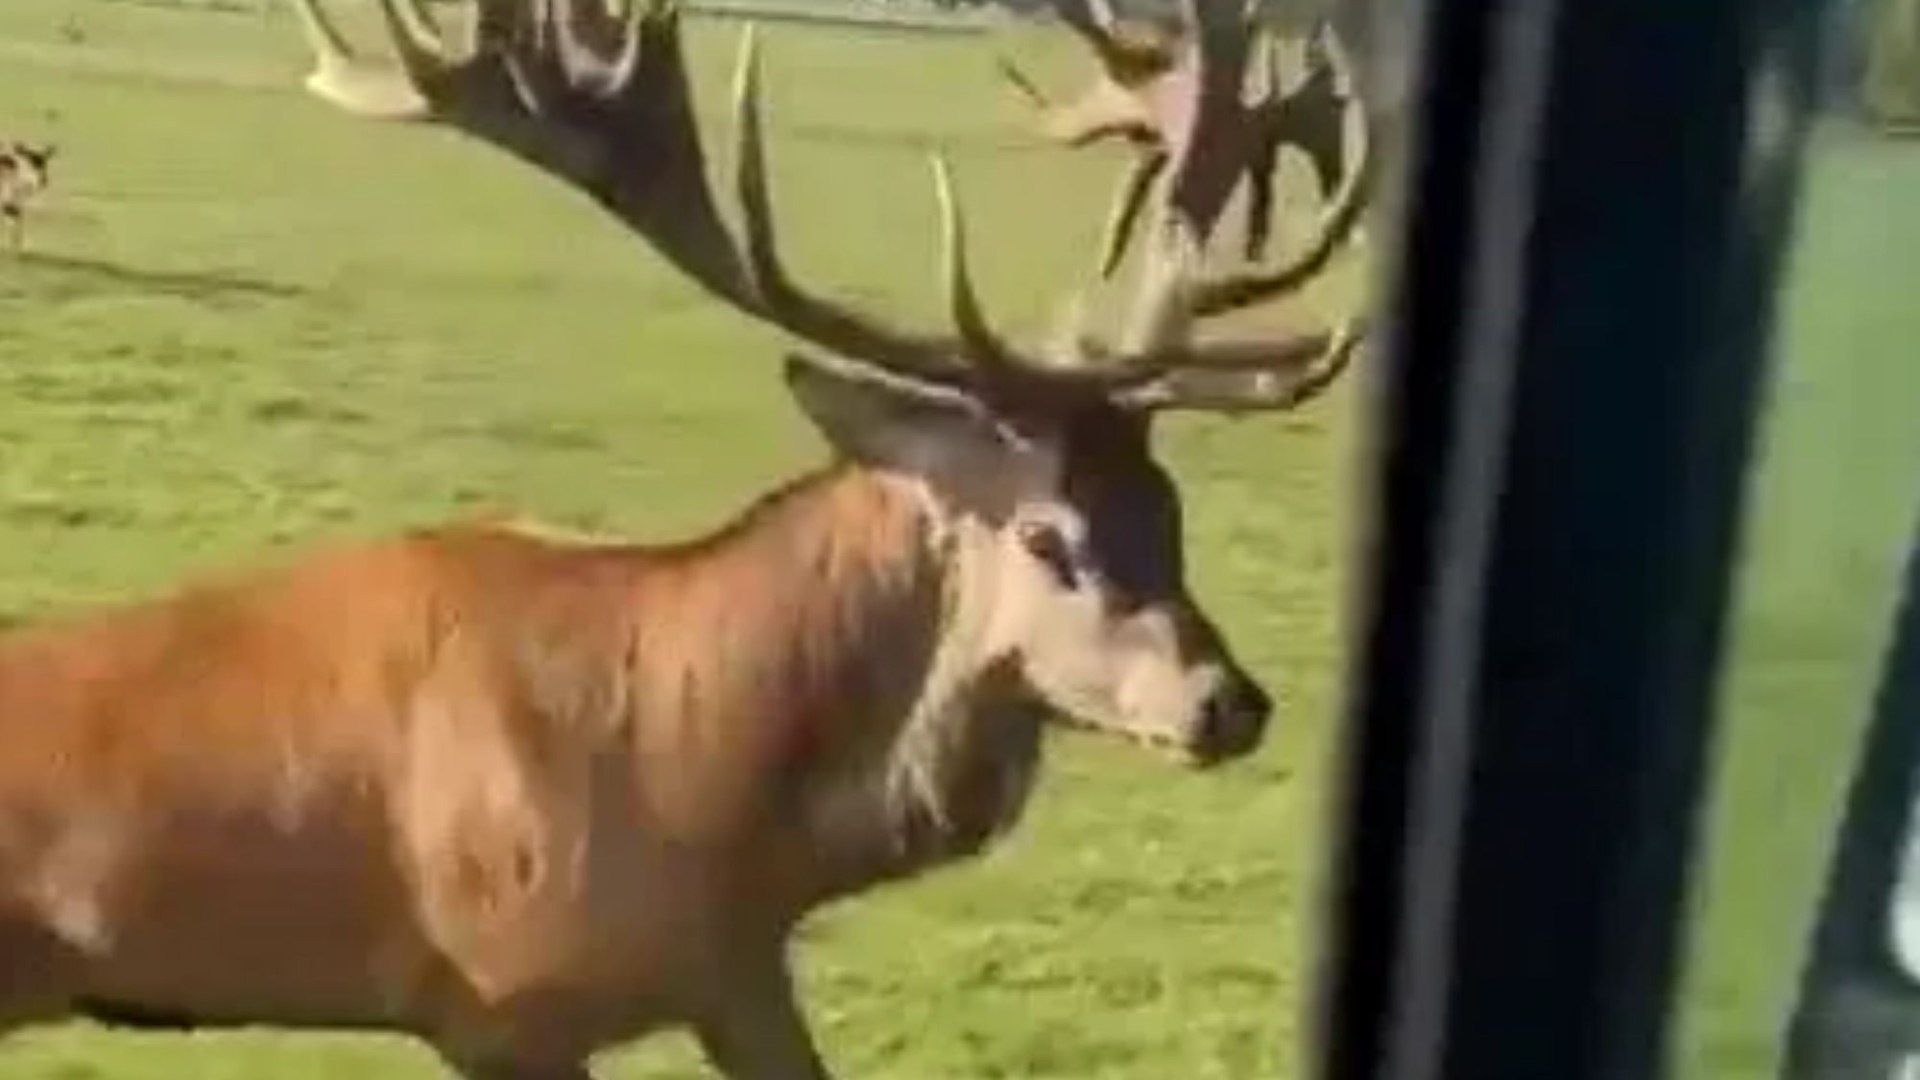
x: 599, y: 98
x: 1152, y: 75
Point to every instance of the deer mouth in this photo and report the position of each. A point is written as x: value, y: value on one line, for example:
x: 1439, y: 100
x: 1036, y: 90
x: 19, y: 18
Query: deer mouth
x: 1180, y: 752
x: 1165, y: 745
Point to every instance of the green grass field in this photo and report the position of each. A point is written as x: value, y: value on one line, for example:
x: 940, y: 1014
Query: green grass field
x: 249, y: 326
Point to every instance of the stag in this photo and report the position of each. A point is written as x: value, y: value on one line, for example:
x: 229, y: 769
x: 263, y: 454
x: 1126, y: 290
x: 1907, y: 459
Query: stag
x: 524, y: 797
x: 24, y: 173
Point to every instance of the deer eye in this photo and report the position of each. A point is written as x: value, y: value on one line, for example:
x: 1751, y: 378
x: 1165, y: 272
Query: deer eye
x: 1047, y: 544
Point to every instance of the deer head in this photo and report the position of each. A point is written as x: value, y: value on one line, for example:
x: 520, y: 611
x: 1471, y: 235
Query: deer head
x: 26, y: 167
x: 1038, y: 456
x: 39, y: 158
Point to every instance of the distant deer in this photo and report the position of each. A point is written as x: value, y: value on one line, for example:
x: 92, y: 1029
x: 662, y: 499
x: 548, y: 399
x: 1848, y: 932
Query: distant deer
x: 525, y: 798
x: 23, y: 176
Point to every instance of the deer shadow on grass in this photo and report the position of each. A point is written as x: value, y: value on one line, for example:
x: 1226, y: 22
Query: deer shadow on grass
x: 75, y: 275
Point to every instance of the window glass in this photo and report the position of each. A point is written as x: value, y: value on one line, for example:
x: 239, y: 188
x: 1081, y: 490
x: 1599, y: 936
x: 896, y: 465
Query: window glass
x: 1832, y: 512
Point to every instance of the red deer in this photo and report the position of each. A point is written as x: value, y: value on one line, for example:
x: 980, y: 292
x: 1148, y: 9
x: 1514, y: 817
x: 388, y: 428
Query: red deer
x: 24, y: 173
x: 523, y: 797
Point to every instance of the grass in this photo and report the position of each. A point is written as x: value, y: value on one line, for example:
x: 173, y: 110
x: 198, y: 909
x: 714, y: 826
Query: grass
x: 250, y: 326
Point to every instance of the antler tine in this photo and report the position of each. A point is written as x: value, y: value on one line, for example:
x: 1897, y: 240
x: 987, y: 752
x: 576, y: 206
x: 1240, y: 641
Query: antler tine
x: 1250, y: 377
x: 1170, y: 370
x: 1337, y: 224
x: 835, y: 327
x: 1208, y: 150
x: 1111, y: 105
x: 1091, y: 19
x: 1130, y: 199
x: 1209, y: 129
x: 1161, y: 314
x: 1212, y: 138
x: 1018, y: 79
x: 1223, y: 140
x: 983, y: 346
x: 1303, y: 119
x: 750, y: 172
x: 1180, y: 101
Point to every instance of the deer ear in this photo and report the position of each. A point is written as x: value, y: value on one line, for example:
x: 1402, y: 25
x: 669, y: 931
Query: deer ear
x: 943, y: 435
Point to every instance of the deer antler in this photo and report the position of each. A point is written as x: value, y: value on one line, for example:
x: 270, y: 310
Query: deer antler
x: 601, y: 101
x: 1198, y: 138
x: 1150, y: 75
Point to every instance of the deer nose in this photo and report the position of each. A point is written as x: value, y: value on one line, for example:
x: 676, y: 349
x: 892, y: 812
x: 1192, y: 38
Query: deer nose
x: 1233, y: 719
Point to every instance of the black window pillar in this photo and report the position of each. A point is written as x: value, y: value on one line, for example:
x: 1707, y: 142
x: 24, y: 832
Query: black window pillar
x: 1593, y: 216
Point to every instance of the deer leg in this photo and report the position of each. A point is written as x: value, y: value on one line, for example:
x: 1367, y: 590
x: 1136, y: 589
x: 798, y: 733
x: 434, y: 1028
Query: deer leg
x: 515, y: 1043
x: 755, y: 1030
x: 34, y: 967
